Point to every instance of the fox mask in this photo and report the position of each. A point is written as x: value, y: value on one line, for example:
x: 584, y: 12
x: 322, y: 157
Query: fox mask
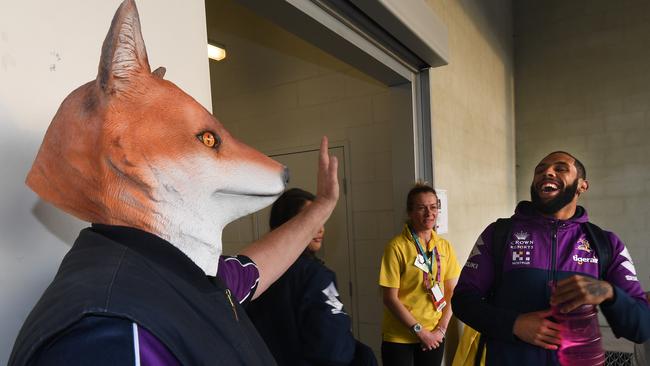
x: 132, y: 149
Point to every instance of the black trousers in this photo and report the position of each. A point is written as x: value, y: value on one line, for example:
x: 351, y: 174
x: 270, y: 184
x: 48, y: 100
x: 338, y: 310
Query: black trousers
x: 410, y: 354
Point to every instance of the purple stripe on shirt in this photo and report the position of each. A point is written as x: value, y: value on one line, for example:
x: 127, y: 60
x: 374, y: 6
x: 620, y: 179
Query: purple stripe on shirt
x: 153, y: 352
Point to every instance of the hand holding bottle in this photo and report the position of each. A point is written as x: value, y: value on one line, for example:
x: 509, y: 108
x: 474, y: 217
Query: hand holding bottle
x: 536, y: 329
x: 575, y: 291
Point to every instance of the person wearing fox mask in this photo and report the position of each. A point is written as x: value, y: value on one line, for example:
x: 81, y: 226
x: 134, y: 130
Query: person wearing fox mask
x: 159, y: 177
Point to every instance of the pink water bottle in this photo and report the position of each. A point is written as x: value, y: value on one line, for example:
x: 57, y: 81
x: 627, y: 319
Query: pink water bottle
x: 580, y: 333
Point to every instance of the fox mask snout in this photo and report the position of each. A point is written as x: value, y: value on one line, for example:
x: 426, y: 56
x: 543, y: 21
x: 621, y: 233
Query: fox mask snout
x: 133, y: 149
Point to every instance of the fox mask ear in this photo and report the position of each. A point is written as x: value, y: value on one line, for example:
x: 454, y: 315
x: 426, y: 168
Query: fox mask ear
x: 124, y: 55
x: 159, y: 72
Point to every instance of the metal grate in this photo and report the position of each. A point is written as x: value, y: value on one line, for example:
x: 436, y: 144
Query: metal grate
x: 618, y: 358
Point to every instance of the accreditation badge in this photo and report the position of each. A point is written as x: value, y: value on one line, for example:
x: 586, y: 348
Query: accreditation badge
x: 438, y: 297
x: 421, y: 263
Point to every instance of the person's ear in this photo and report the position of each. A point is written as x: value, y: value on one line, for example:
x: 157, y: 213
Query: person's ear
x: 583, y: 186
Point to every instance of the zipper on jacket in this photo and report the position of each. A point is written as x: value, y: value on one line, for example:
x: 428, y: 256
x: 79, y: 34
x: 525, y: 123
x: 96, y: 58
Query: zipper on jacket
x: 554, y: 254
x: 232, y: 304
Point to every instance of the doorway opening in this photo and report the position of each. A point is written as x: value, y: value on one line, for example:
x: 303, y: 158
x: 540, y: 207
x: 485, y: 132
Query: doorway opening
x: 279, y: 93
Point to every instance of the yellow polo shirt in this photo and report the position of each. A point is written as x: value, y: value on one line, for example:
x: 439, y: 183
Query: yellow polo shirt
x: 398, y: 270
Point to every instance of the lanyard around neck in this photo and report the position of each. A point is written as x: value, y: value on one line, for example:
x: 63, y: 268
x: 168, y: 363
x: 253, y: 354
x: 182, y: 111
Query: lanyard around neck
x: 424, y: 255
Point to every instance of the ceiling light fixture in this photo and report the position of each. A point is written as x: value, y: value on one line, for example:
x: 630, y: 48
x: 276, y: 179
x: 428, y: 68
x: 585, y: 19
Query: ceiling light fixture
x: 216, y: 51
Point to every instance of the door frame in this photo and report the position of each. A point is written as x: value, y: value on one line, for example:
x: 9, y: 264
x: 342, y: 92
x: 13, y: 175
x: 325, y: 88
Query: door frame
x: 346, y: 190
x: 393, y: 42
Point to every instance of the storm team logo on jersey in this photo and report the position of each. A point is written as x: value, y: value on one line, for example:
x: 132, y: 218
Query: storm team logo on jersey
x: 583, y: 244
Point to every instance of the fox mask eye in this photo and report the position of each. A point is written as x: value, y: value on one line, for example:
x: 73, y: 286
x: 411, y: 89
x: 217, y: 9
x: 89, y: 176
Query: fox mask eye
x: 209, y: 139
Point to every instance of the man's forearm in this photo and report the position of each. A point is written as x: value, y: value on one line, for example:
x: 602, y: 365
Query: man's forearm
x: 277, y: 250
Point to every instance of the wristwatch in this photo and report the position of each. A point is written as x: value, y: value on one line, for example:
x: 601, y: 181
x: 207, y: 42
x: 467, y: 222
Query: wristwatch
x: 416, y: 328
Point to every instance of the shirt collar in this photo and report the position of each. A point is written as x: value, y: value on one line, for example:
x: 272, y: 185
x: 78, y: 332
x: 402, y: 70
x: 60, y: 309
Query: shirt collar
x: 159, y: 251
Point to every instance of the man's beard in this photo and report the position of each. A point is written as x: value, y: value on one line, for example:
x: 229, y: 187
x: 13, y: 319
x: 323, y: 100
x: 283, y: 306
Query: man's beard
x: 555, y: 204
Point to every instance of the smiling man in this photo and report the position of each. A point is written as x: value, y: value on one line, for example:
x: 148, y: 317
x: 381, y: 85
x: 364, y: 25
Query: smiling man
x: 505, y: 290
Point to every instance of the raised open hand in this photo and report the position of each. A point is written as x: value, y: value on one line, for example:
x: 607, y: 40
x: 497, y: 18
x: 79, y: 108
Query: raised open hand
x: 327, y: 191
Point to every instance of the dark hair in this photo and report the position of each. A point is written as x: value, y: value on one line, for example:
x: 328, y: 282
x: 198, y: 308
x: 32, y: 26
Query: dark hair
x: 418, y: 188
x: 288, y: 205
x: 582, y: 172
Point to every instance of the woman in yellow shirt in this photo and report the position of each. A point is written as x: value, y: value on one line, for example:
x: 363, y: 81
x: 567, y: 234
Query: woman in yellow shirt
x: 419, y: 271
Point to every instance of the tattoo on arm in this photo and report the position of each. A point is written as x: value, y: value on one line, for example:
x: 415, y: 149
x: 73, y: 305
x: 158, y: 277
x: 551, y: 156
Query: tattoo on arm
x: 596, y: 289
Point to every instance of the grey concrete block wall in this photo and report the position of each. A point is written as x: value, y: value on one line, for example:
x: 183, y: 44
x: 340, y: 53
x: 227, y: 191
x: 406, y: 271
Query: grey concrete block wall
x: 473, y: 124
x: 472, y: 112
x: 583, y: 85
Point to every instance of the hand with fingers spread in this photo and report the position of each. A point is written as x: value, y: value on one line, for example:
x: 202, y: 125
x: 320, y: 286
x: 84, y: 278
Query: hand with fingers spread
x: 572, y: 292
x: 536, y: 329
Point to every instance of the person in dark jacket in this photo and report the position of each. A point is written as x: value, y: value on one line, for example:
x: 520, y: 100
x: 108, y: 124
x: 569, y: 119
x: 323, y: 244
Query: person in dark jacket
x: 159, y: 177
x: 300, y: 316
x: 547, y: 243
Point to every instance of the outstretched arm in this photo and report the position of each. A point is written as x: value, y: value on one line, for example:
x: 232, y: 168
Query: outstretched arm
x: 276, y: 251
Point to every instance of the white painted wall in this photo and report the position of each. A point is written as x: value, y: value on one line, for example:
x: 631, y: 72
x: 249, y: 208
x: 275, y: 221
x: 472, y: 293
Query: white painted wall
x: 47, y: 49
